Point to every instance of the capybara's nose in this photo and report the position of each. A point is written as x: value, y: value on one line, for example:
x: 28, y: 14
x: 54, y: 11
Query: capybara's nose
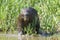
x: 25, y: 18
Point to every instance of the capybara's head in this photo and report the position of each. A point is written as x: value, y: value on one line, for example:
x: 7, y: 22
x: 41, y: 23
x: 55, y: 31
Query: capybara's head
x: 28, y: 14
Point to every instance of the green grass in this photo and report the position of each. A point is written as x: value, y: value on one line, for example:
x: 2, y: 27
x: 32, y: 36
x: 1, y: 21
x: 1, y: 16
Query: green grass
x: 48, y: 10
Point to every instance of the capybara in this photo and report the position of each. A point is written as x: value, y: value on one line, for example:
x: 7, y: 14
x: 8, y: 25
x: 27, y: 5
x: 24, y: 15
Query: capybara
x: 28, y: 16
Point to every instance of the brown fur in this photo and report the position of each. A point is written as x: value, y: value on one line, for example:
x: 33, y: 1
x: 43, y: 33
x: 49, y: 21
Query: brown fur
x: 26, y: 17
